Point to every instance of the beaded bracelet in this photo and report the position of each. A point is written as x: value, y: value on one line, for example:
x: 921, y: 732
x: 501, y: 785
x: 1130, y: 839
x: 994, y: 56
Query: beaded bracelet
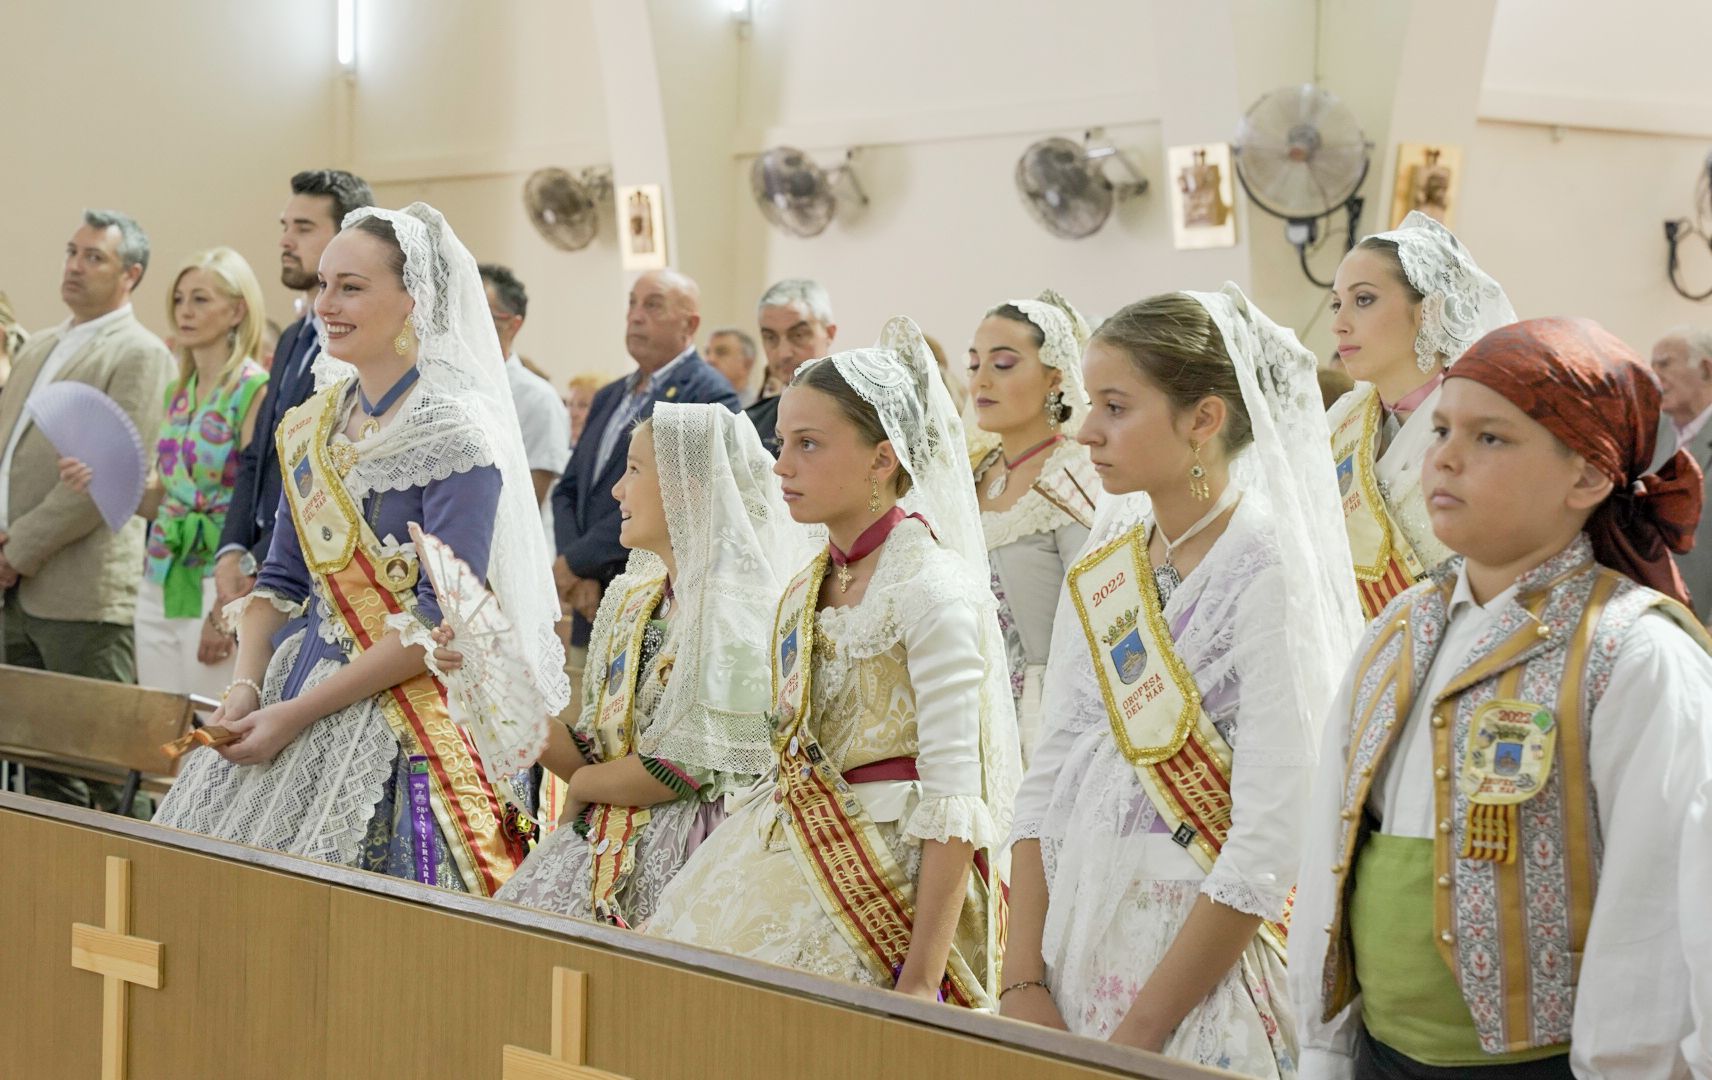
x: 1025, y: 984
x: 235, y: 683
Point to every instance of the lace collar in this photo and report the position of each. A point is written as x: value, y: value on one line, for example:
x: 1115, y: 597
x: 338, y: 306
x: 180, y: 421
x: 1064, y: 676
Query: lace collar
x: 1059, y: 497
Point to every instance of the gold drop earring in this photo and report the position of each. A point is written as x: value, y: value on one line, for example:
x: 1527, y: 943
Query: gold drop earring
x: 874, y: 494
x: 401, y: 343
x: 1198, y: 475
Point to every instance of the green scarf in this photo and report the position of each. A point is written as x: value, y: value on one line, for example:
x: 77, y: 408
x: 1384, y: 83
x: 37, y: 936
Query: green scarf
x: 191, y: 533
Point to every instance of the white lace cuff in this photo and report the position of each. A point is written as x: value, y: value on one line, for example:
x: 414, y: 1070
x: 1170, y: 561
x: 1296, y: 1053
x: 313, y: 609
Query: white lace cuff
x: 411, y: 631
x: 233, y: 613
x: 953, y: 817
x: 1245, y: 896
x: 1023, y: 830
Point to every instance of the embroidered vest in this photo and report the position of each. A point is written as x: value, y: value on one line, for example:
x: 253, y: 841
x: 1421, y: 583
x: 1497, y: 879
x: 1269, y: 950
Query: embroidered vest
x: 1517, y: 845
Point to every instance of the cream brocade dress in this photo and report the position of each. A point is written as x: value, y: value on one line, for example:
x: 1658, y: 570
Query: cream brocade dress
x: 895, y: 676
x: 1031, y: 546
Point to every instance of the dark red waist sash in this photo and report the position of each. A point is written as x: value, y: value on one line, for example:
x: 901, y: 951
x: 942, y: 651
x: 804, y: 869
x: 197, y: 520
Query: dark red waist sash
x: 901, y: 768
x: 875, y: 772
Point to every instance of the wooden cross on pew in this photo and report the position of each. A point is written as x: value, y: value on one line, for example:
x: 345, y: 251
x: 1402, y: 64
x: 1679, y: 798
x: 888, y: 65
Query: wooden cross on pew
x: 570, y: 1038
x: 110, y: 952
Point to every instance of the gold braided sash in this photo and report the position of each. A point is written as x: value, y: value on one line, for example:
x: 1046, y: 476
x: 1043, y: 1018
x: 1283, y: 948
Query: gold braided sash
x: 1153, y: 704
x: 614, y: 830
x: 1385, y: 564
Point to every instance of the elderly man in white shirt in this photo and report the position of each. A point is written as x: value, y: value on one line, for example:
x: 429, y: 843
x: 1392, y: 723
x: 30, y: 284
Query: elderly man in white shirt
x: 546, y: 426
x: 1682, y: 360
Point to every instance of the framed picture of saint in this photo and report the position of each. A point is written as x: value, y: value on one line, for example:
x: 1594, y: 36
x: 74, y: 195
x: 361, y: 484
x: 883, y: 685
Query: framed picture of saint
x: 1429, y: 176
x: 1203, y: 206
x: 642, y: 226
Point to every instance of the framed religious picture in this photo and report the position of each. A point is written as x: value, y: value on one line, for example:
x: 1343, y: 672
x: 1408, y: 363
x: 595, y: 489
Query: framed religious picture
x: 1429, y: 175
x: 642, y: 226
x: 1203, y: 207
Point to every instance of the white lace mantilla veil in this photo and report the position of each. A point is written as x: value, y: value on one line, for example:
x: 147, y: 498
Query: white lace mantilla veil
x: 735, y: 546
x: 900, y: 378
x: 460, y: 416
x: 1288, y: 467
x: 1461, y: 303
x: 1066, y: 335
x: 1287, y: 474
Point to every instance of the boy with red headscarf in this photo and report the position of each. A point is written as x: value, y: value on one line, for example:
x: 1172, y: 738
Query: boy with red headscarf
x: 1512, y: 828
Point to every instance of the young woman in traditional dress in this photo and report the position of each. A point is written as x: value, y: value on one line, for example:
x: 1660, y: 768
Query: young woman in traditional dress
x: 1197, y: 646
x: 1405, y: 305
x: 340, y: 727
x: 673, y: 716
x: 1035, y: 484
x: 866, y: 857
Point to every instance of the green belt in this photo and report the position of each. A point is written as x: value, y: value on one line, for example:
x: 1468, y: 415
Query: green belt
x: 1410, y: 1000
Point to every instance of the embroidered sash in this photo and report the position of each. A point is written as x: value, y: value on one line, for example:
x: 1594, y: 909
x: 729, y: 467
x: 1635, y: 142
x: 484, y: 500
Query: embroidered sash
x: 1385, y: 564
x: 836, y: 844
x: 614, y: 830
x: 1153, y: 704
x: 363, y: 588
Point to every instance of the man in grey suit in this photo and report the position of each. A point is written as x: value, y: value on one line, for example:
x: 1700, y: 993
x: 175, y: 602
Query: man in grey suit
x: 70, y: 584
x: 1682, y: 360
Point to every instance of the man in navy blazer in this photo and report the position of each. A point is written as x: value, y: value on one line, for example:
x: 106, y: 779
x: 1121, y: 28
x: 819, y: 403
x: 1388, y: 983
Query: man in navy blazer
x: 320, y: 199
x: 659, y: 334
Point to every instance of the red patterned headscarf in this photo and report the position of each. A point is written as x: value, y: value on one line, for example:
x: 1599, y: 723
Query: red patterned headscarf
x: 1596, y: 395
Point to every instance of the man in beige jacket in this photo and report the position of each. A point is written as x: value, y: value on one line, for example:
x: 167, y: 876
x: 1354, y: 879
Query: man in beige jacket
x: 70, y: 584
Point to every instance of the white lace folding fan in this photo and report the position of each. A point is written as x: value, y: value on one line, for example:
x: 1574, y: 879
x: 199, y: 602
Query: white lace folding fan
x: 492, y: 696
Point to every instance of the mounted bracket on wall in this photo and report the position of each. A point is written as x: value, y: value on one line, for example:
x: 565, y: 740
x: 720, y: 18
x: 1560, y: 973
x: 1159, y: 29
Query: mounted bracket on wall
x: 798, y: 196
x: 1064, y: 184
x: 1679, y: 229
x: 565, y: 209
x: 1301, y: 155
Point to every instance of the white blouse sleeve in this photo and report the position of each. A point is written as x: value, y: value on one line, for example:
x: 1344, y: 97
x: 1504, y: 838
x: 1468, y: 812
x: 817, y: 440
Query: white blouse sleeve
x: 1643, y: 1002
x: 1273, y: 759
x: 1067, y: 690
x: 945, y: 670
x: 1327, y: 1048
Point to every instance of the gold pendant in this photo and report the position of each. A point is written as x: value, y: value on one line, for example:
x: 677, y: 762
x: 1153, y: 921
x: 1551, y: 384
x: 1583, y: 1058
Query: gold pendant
x: 843, y: 578
x: 997, y: 487
x: 370, y: 426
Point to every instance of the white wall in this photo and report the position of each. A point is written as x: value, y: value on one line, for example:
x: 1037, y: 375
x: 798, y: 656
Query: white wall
x: 1590, y: 128
x: 191, y: 120
x: 1595, y: 126
x: 943, y: 99
x: 455, y: 104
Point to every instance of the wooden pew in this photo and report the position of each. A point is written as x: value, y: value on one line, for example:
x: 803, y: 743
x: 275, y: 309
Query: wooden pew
x: 91, y: 728
x: 207, y: 959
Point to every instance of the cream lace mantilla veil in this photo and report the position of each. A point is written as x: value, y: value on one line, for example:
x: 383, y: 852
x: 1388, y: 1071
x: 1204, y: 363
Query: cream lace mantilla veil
x: 459, y: 417
x: 900, y: 379
x: 1287, y: 473
x: 1461, y: 303
x: 735, y: 546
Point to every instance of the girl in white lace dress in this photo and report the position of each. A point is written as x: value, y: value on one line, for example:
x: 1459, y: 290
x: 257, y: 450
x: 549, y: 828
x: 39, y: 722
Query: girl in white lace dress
x: 866, y: 856
x: 1147, y: 896
x: 1405, y: 304
x: 672, y: 718
x: 339, y: 722
x: 1036, y: 486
